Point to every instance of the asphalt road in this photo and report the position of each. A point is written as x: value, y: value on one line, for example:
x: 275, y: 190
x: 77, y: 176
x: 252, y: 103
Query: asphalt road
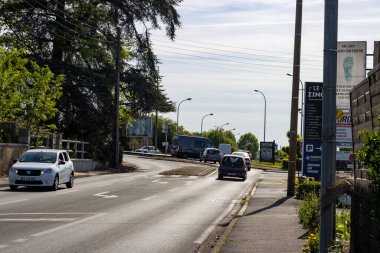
x: 131, y: 212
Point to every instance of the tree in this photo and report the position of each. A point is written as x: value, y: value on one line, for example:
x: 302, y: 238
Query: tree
x: 28, y: 92
x: 77, y: 38
x: 218, y: 136
x: 249, y: 142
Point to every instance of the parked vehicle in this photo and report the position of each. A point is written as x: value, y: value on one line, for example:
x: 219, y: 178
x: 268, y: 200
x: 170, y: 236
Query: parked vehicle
x: 246, y: 157
x: 232, y: 166
x: 225, y: 148
x: 44, y: 168
x: 211, y: 154
x: 189, y: 146
x: 147, y: 150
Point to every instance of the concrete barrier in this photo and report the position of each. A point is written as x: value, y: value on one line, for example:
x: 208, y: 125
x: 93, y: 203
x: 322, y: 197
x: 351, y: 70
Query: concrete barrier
x: 84, y: 164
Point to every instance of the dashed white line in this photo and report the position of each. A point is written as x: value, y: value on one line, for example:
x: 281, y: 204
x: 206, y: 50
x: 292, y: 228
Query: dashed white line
x: 129, y: 180
x: 174, y: 189
x: 38, y: 219
x: 104, y: 185
x: 11, y: 202
x: 151, y: 197
x: 20, y: 240
x: 155, y: 181
x: 175, y: 175
x: 67, y: 225
x: 65, y: 192
x: 2, y: 246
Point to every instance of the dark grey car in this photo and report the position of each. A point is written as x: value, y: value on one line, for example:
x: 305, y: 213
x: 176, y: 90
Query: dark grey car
x: 211, y: 154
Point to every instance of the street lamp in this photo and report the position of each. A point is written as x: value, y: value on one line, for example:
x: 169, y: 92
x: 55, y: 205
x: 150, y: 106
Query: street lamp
x: 265, y: 110
x: 187, y: 99
x: 302, y: 103
x: 220, y: 129
x: 210, y: 114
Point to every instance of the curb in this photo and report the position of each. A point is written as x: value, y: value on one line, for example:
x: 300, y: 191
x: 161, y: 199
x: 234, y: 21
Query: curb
x: 236, y: 215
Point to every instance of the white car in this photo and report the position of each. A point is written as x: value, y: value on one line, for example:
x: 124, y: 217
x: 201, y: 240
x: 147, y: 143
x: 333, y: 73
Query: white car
x: 147, y: 149
x: 247, y: 159
x: 42, y: 167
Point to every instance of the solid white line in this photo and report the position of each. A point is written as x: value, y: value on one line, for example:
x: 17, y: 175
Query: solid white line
x: 151, y: 197
x: 175, y: 176
x: 193, y: 177
x: 67, y: 192
x: 11, y: 202
x: 172, y: 190
x: 40, y: 219
x: 163, y: 182
x: 2, y: 246
x: 210, y: 228
x: 20, y: 240
x: 67, y: 225
x: 4, y: 214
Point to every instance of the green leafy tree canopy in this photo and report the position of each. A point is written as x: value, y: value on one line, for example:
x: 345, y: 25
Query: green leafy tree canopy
x: 249, y: 142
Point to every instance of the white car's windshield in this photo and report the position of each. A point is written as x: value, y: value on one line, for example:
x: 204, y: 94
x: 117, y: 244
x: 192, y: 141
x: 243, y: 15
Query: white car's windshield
x: 39, y: 157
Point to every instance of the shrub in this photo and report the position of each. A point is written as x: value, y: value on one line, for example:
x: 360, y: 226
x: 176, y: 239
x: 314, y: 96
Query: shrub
x: 312, y: 243
x: 308, y: 211
x: 306, y: 187
x: 285, y: 163
x: 342, y: 242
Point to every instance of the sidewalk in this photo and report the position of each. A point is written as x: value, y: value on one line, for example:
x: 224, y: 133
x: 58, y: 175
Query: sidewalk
x: 270, y: 223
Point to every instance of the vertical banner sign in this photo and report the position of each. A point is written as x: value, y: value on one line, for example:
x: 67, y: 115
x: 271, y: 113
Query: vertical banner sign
x: 351, y: 69
x: 343, y: 129
x: 311, y: 155
x: 267, y: 151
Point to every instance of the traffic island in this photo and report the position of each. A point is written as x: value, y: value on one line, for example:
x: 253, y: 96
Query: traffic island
x: 190, y: 171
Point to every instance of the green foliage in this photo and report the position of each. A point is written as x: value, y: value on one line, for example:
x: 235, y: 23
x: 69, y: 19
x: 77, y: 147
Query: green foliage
x: 218, y: 136
x: 307, y: 186
x: 342, y: 242
x: 285, y: 163
x: 28, y: 92
x: 249, y: 142
x: 308, y: 211
x: 312, y: 243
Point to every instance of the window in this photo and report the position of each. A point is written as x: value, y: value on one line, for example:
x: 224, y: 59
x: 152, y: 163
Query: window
x: 66, y: 156
x: 61, y: 157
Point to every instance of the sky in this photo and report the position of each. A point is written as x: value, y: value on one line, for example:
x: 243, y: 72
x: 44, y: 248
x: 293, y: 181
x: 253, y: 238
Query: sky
x: 226, y: 49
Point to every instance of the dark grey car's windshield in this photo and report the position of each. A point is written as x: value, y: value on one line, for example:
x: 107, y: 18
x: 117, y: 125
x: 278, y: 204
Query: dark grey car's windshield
x: 39, y: 157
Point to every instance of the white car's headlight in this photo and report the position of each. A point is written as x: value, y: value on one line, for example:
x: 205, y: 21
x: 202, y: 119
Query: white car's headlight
x: 13, y: 170
x: 46, y: 171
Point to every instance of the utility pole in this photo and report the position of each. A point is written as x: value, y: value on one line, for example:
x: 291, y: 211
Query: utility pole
x: 294, y: 106
x: 328, y: 166
x: 156, y: 132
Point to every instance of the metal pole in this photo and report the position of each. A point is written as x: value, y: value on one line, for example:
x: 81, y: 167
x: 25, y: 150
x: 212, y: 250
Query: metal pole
x: 156, y: 132
x: 265, y: 111
x: 187, y: 99
x: 294, y: 105
x: 210, y: 114
x: 328, y: 164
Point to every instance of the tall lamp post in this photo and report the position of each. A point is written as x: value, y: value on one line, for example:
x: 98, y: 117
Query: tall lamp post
x: 265, y: 110
x: 220, y: 130
x: 187, y: 99
x: 210, y: 114
x: 302, y: 103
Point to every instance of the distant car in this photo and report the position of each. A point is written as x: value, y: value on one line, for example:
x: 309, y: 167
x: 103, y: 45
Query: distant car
x: 246, y: 151
x: 211, y: 154
x: 232, y: 166
x: 147, y: 149
x: 44, y: 168
x: 246, y: 157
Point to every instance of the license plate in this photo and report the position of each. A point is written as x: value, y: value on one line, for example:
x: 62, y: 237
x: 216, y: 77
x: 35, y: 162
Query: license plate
x: 231, y: 174
x: 28, y: 178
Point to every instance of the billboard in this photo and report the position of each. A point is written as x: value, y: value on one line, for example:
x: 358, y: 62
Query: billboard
x: 141, y: 127
x: 343, y: 129
x: 351, y: 69
x: 311, y: 153
x: 267, y: 151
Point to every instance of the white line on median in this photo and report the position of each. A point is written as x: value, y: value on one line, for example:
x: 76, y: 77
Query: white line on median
x: 11, y: 202
x: 67, y: 192
x: 151, y: 197
x: 67, y: 225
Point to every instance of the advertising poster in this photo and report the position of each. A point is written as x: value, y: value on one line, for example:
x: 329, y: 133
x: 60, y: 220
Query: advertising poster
x: 311, y: 154
x: 343, y: 130
x: 267, y: 151
x: 351, y: 69
x: 141, y: 127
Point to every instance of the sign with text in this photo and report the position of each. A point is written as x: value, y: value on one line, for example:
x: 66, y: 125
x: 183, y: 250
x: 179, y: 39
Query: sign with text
x: 267, y: 151
x: 351, y: 69
x: 141, y: 127
x: 343, y: 129
x: 311, y: 163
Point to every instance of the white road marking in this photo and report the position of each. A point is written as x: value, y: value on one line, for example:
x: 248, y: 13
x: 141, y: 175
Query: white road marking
x: 67, y: 225
x: 210, y: 228
x: 104, y: 185
x: 175, y: 175
x: 65, y: 192
x: 20, y: 240
x: 193, y: 177
x: 151, y: 197
x: 103, y: 195
x: 38, y: 219
x: 4, y: 214
x: 128, y: 180
x: 212, y: 173
x: 11, y: 202
x: 174, y: 189
x: 3, y: 246
x: 163, y: 182
x: 155, y: 181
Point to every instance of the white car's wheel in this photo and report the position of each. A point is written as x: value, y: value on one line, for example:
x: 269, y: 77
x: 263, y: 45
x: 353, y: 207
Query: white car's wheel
x: 54, y: 187
x: 70, y: 184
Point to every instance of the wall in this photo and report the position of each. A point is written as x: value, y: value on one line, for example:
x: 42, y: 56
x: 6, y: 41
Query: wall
x: 8, y: 153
